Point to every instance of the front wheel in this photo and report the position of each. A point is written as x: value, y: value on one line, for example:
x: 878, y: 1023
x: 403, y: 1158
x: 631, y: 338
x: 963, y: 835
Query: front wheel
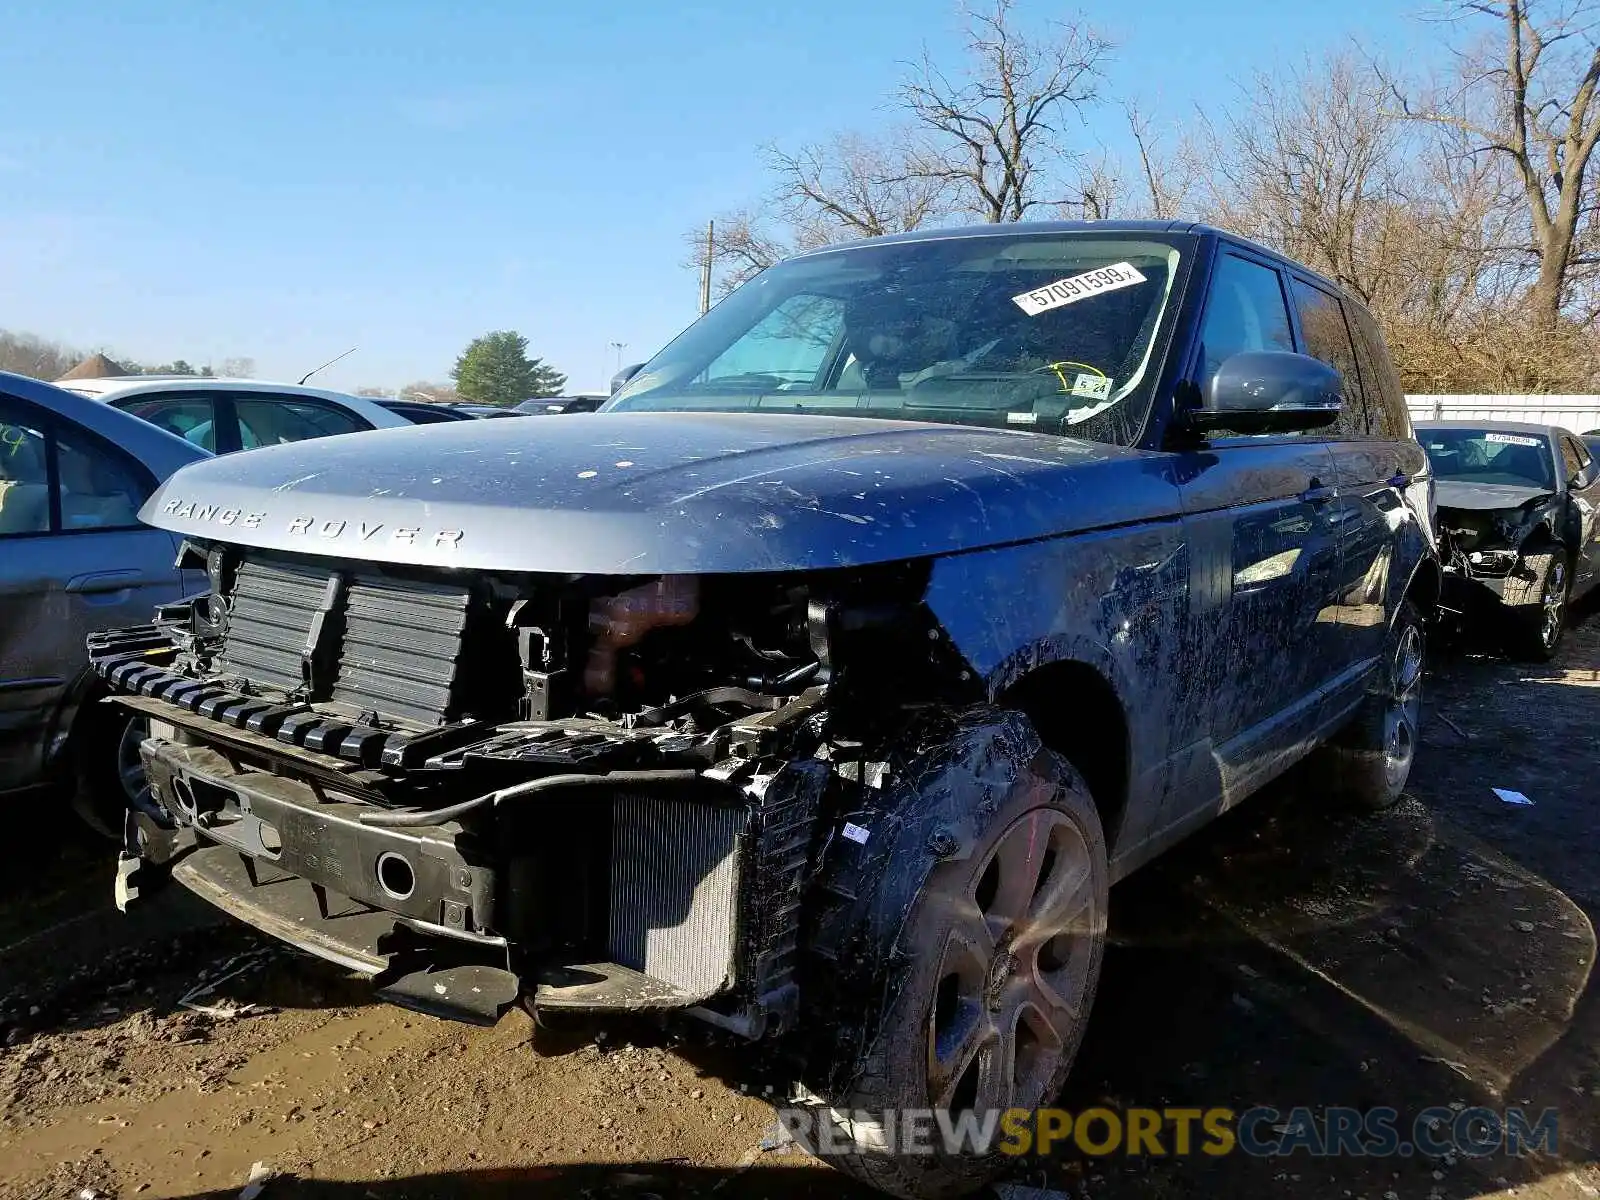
x: 1536, y: 603
x: 998, y: 960
x: 109, y: 774
x: 1366, y: 766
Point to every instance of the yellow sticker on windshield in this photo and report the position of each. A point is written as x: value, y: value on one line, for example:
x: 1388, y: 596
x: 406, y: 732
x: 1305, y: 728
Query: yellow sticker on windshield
x: 1078, y: 287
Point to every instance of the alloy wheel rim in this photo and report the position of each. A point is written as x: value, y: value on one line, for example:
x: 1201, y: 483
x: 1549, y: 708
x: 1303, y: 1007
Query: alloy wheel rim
x: 130, y: 767
x: 1014, y: 968
x: 1554, y: 600
x: 1404, y: 711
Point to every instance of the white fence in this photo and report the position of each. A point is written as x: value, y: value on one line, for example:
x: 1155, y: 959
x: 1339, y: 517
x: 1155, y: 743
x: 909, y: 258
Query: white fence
x: 1577, y: 413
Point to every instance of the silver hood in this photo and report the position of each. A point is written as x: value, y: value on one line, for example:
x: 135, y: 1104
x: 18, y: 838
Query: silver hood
x: 649, y: 493
x: 1484, y: 497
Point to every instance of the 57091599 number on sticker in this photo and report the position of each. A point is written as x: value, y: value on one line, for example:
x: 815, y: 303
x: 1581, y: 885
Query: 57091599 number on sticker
x: 1078, y: 287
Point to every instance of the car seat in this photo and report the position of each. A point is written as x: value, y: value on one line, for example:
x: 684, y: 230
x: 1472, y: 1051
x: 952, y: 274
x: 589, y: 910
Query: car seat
x: 94, y: 495
x: 1524, y: 462
x: 24, y: 489
x: 183, y: 423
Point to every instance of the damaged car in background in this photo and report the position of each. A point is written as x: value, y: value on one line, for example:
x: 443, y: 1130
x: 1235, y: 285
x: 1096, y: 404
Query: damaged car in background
x: 821, y: 685
x: 1517, y: 514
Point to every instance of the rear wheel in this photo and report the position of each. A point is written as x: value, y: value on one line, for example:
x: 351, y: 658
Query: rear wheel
x: 1536, y: 600
x: 999, y: 956
x: 1366, y: 766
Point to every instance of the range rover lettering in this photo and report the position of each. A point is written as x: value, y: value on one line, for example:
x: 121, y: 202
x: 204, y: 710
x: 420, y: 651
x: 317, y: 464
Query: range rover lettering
x: 821, y: 685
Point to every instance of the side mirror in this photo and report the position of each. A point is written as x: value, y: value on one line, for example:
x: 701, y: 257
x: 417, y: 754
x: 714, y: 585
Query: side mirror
x: 622, y: 376
x: 1269, y: 391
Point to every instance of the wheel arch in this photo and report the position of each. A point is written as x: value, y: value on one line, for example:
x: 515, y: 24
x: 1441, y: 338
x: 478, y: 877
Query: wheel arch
x: 1078, y: 714
x: 942, y: 796
x: 60, y: 727
x: 1546, y: 536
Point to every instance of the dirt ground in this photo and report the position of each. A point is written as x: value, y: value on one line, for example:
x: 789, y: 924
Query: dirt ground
x: 1439, y: 954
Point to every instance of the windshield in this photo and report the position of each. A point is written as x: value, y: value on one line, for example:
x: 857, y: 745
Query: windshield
x: 1489, y: 456
x: 1055, y: 332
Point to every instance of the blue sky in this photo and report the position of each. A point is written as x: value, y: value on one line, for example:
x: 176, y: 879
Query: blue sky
x: 287, y: 180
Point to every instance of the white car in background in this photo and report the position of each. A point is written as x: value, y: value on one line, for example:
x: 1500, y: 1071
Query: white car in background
x: 224, y: 415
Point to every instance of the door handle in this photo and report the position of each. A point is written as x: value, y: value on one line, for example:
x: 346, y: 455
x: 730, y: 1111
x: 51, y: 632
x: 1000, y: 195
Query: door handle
x: 1317, y: 493
x: 104, y: 581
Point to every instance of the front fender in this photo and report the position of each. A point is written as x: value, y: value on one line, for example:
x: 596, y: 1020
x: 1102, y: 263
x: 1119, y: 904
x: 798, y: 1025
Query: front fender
x: 1116, y: 600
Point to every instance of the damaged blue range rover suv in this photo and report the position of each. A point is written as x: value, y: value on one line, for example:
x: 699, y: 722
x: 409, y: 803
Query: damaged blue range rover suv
x: 822, y: 684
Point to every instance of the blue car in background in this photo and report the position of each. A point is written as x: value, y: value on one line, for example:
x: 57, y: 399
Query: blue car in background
x: 75, y: 559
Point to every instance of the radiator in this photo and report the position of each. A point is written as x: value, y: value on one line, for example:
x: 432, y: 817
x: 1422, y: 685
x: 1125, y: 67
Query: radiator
x: 674, y: 890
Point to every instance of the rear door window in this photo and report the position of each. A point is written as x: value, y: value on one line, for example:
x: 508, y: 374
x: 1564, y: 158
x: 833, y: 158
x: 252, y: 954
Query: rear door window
x: 274, y: 420
x: 1573, y: 459
x: 1387, y: 415
x: 56, y: 478
x: 1582, y: 449
x: 24, y: 473
x: 1327, y: 337
x: 193, y: 418
x: 99, y: 488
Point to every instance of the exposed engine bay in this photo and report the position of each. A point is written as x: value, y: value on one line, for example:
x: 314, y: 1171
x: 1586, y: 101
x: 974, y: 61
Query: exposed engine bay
x: 1478, y: 543
x: 365, y: 760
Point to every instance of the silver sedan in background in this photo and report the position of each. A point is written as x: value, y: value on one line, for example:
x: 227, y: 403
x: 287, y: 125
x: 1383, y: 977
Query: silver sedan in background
x: 75, y: 559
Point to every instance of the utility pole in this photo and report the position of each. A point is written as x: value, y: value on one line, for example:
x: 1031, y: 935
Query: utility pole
x: 705, y: 270
x: 619, y: 347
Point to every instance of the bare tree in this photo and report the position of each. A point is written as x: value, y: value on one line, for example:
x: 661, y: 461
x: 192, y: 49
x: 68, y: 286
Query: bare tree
x: 854, y: 186
x: 1528, y: 97
x: 1311, y: 161
x: 238, y: 367
x: 992, y: 133
x: 1159, y: 183
x: 430, y: 393
x: 1169, y: 175
x: 34, y: 356
x: 1308, y: 163
x: 990, y: 143
x: 744, y: 245
x: 1101, y: 192
x: 848, y: 187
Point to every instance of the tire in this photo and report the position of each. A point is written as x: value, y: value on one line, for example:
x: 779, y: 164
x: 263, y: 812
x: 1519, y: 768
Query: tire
x: 998, y: 959
x: 1536, y: 605
x: 1365, y: 767
x: 108, y: 776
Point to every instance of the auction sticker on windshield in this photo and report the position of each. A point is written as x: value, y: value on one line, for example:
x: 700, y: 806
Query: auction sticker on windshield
x: 1510, y: 439
x: 1078, y: 287
x: 1095, y: 387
